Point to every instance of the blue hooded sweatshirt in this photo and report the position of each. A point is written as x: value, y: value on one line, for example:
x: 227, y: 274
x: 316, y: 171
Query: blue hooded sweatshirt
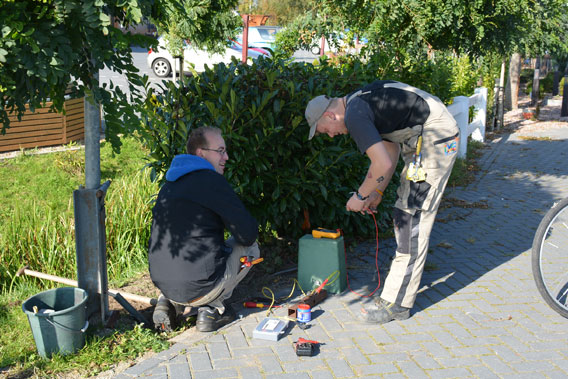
x: 184, y: 164
x: 187, y: 253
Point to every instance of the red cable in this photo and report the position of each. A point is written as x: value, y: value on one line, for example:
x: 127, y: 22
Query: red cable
x: 376, y: 263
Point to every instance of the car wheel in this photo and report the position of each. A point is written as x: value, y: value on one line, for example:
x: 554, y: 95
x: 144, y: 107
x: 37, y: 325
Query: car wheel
x: 161, y: 67
x: 316, y: 50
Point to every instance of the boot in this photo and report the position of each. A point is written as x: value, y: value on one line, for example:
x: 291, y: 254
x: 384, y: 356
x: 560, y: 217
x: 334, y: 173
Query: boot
x: 164, y: 316
x: 209, y: 319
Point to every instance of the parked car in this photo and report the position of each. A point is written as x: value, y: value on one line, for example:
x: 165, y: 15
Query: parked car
x: 261, y: 36
x: 161, y: 61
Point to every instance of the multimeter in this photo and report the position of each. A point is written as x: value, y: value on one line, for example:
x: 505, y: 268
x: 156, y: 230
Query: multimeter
x: 325, y: 233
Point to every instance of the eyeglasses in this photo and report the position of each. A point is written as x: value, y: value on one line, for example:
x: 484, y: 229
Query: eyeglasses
x: 220, y: 150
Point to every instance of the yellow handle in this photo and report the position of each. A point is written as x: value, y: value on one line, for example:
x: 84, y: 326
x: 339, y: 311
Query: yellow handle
x: 419, y: 145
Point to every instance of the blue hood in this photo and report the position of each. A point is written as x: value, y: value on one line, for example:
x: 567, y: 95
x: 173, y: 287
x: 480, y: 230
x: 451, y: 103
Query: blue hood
x: 184, y: 164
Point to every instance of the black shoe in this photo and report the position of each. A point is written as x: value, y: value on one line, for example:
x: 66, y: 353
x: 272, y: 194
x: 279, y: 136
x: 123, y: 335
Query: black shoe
x: 382, y: 312
x: 209, y: 319
x: 164, y: 316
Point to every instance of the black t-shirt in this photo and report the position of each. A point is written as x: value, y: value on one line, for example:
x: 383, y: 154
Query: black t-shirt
x: 379, y: 110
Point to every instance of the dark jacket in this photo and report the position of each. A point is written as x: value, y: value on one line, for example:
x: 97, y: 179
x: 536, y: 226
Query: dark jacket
x: 187, y: 253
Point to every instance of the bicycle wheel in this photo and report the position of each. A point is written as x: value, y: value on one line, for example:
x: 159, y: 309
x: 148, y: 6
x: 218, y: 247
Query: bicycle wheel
x: 550, y: 257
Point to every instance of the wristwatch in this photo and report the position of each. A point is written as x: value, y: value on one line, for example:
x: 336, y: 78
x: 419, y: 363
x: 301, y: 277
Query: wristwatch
x: 362, y: 198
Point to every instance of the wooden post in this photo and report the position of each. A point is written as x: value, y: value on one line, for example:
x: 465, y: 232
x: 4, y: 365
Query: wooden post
x: 322, y: 46
x: 245, y: 18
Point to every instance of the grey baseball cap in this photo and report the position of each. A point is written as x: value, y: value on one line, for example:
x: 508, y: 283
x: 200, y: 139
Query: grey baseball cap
x: 315, y: 109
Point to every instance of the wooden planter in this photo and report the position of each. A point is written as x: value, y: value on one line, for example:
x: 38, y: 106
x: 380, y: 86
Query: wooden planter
x: 45, y: 128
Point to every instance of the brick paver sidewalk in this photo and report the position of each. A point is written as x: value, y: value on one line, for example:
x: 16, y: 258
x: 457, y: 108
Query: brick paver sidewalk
x: 478, y: 314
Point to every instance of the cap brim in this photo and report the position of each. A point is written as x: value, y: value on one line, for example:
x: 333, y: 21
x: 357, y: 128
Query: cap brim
x: 312, y: 130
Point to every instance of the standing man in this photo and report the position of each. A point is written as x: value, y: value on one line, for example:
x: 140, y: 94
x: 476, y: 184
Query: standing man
x: 189, y: 260
x: 382, y: 118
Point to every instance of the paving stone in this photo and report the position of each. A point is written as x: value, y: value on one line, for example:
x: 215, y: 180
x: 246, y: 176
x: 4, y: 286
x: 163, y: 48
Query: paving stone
x: 200, y: 361
x: 379, y: 369
x: 216, y: 374
x: 218, y: 350
x: 179, y: 371
x: 388, y: 357
x: 412, y: 370
x: 231, y: 362
x: 321, y: 374
x: 354, y: 356
x: 450, y: 373
x: 340, y: 368
x: 143, y: 366
x: 425, y: 361
x: 305, y: 364
x: 249, y: 372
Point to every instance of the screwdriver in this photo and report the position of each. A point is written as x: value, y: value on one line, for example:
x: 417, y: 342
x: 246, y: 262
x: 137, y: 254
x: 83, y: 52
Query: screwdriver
x: 251, y: 304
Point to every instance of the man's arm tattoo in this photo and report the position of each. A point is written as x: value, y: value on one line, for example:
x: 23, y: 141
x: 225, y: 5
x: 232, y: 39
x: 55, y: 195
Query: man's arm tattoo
x: 381, y: 178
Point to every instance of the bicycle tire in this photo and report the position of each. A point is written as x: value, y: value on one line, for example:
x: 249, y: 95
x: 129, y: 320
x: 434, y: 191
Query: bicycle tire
x: 550, y: 257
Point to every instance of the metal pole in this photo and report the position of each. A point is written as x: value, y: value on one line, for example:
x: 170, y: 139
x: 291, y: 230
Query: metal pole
x: 92, y: 143
x: 90, y: 232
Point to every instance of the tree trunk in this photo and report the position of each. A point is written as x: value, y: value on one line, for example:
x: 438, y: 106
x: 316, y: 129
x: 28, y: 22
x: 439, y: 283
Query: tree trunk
x: 512, y: 88
x: 535, y: 94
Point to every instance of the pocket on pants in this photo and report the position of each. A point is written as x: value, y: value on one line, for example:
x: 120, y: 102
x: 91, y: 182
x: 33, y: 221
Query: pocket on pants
x: 418, y: 193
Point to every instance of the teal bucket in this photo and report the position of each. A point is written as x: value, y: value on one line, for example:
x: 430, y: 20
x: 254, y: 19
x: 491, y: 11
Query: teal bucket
x: 57, y: 318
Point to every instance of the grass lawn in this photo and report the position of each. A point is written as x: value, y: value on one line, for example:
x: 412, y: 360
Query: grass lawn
x: 38, y: 192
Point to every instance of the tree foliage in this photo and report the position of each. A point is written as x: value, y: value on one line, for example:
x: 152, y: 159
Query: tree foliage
x: 51, y: 46
x: 205, y: 24
x: 413, y: 27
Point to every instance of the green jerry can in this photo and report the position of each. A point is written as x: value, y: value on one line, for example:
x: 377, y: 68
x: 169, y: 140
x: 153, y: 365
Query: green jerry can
x: 318, y: 258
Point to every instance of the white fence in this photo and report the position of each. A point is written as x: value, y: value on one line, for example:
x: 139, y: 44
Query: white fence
x: 460, y: 110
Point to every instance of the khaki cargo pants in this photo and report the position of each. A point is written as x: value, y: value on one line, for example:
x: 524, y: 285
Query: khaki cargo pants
x: 417, y: 203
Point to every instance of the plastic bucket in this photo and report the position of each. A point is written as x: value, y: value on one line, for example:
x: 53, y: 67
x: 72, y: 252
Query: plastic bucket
x: 57, y: 318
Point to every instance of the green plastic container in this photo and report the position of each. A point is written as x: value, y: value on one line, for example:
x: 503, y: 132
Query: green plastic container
x: 58, y: 321
x: 318, y: 258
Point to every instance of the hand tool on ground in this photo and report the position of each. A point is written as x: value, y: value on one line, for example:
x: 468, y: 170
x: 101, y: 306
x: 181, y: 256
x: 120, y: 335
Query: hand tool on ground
x: 252, y: 304
x: 246, y: 262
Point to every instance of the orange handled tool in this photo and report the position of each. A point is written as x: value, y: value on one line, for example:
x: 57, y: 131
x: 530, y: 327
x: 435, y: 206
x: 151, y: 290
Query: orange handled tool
x: 246, y: 263
x: 318, y: 290
x: 251, y: 304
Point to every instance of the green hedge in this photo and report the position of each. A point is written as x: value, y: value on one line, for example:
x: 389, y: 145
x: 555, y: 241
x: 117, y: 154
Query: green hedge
x: 279, y: 174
